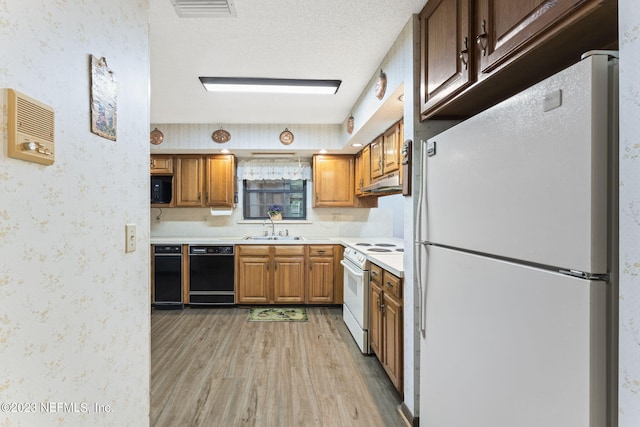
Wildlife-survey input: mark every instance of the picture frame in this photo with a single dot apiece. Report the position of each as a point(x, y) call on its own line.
point(104, 100)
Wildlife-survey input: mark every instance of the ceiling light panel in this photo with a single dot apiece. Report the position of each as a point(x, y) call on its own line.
point(260, 85)
point(204, 8)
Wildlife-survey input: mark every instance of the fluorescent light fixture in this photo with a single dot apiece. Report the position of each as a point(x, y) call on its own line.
point(356, 144)
point(260, 85)
point(272, 155)
point(323, 151)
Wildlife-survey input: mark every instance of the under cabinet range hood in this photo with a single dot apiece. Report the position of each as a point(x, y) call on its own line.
point(385, 184)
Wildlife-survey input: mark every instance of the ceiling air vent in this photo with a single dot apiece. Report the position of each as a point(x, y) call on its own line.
point(204, 8)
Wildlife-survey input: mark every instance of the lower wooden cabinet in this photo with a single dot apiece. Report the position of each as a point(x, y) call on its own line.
point(385, 323)
point(288, 274)
point(320, 274)
point(270, 274)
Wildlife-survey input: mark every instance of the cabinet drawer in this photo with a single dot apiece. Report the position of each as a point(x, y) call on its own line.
point(252, 250)
point(392, 284)
point(324, 250)
point(289, 250)
point(376, 274)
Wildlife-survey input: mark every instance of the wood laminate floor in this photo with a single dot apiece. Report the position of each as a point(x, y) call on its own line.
point(211, 367)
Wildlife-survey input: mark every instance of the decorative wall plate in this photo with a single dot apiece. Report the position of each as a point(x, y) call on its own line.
point(350, 123)
point(381, 85)
point(156, 137)
point(221, 136)
point(286, 137)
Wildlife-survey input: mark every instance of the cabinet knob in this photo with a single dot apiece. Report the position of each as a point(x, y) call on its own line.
point(389, 285)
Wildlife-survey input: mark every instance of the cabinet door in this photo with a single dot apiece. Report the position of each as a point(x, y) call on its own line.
point(253, 279)
point(161, 164)
point(220, 177)
point(447, 49)
point(392, 336)
point(359, 181)
point(333, 179)
point(189, 173)
point(377, 154)
point(288, 279)
point(366, 166)
point(505, 27)
point(375, 319)
point(391, 148)
point(320, 280)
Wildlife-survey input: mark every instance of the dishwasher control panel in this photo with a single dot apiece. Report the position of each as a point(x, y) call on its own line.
point(211, 250)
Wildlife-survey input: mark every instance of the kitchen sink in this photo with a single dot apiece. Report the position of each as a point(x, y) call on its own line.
point(273, 238)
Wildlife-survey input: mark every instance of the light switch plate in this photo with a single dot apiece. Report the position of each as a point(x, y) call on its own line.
point(131, 236)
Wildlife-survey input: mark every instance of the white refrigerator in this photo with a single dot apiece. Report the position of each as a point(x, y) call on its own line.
point(516, 258)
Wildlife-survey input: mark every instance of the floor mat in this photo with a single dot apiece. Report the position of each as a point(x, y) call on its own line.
point(278, 314)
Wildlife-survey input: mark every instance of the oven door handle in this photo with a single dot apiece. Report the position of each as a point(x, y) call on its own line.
point(351, 270)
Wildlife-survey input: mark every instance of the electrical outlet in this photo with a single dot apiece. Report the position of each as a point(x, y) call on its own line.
point(131, 236)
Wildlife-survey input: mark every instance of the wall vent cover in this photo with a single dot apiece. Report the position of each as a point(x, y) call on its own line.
point(30, 125)
point(204, 8)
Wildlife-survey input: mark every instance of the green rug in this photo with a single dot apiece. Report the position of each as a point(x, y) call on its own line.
point(278, 314)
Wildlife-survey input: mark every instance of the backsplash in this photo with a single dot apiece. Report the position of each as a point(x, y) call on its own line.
point(321, 222)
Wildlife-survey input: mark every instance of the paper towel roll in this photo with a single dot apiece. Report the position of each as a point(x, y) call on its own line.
point(221, 212)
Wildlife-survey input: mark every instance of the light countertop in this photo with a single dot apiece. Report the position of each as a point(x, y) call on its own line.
point(392, 262)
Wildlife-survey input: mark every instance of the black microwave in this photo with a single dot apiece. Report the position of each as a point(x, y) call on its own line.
point(161, 189)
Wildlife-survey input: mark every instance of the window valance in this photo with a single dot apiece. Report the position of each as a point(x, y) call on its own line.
point(260, 169)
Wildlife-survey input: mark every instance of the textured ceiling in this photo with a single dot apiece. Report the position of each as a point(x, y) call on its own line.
point(311, 39)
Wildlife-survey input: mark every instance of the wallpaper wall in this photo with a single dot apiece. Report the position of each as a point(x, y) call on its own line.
point(74, 307)
point(629, 370)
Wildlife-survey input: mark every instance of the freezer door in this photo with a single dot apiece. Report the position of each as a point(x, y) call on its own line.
point(527, 179)
point(508, 345)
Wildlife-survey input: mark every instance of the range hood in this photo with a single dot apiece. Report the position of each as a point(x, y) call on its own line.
point(385, 184)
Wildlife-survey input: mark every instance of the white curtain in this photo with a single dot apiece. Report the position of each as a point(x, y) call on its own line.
point(260, 169)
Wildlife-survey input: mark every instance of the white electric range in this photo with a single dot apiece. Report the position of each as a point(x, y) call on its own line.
point(356, 262)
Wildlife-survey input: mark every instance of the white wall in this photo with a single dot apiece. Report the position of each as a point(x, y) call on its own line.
point(74, 308)
point(629, 323)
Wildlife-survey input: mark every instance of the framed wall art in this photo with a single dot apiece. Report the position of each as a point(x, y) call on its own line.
point(104, 111)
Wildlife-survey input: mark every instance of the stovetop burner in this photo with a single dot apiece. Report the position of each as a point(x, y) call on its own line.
point(399, 249)
point(386, 245)
point(363, 244)
point(379, 250)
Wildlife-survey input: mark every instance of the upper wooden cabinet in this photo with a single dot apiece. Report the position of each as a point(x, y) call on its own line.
point(385, 151)
point(333, 179)
point(189, 175)
point(161, 165)
point(377, 157)
point(205, 181)
point(219, 183)
point(446, 51)
point(363, 169)
point(475, 53)
point(391, 145)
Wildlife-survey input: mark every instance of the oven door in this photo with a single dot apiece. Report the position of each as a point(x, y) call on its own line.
point(356, 303)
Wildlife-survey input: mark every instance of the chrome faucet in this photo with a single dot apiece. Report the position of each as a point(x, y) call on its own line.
point(273, 226)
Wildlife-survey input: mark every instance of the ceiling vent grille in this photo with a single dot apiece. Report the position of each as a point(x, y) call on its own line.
point(204, 8)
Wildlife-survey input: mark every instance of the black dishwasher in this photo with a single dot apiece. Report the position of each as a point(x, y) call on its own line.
point(211, 275)
point(167, 277)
